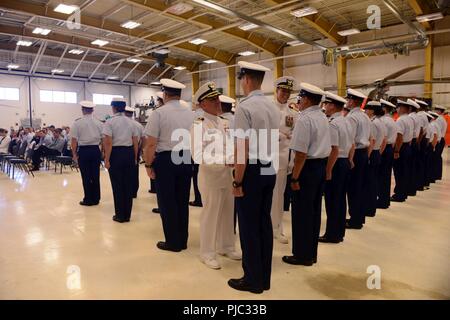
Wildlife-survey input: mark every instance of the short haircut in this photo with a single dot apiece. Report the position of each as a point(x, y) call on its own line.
point(257, 77)
point(315, 99)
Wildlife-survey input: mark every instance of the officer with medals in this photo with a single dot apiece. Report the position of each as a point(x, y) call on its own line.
point(312, 145)
point(284, 86)
point(120, 141)
point(338, 170)
point(86, 136)
point(168, 160)
point(209, 139)
point(254, 178)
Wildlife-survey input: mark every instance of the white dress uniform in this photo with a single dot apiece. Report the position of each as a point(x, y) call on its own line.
point(288, 117)
point(378, 132)
point(129, 112)
point(391, 129)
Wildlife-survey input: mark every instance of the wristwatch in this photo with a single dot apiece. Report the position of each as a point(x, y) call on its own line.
point(149, 165)
point(237, 184)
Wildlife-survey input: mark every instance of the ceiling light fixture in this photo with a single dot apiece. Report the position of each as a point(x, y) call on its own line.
point(130, 24)
point(248, 26)
point(99, 42)
point(348, 32)
point(13, 66)
point(295, 43)
point(303, 12)
point(180, 8)
point(162, 51)
point(24, 43)
point(430, 17)
point(180, 68)
point(246, 53)
point(113, 77)
point(210, 61)
point(198, 41)
point(64, 8)
point(41, 31)
point(76, 51)
point(134, 60)
point(57, 71)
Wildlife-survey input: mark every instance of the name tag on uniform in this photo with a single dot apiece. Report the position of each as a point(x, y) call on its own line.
point(289, 121)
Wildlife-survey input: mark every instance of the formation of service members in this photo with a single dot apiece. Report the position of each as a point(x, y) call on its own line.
point(331, 147)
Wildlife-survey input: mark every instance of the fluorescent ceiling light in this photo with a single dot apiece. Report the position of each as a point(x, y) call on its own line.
point(13, 66)
point(246, 53)
point(57, 71)
point(345, 48)
point(41, 31)
point(198, 41)
point(99, 42)
point(210, 61)
point(76, 51)
point(134, 60)
point(180, 8)
point(180, 68)
point(248, 26)
point(430, 17)
point(302, 12)
point(64, 8)
point(113, 77)
point(155, 83)
point(130, 24)
point(162, 51)
point(295, 43)
point(24, 43)
point(348, 32)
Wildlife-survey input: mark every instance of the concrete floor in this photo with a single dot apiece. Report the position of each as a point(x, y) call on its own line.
point(47, 240)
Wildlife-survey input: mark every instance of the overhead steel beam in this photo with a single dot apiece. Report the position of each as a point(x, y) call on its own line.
point(391, 6)
point(129, 72)
point(162, 73)
point(176, 74)
point(62, 56)
point(146, 73)
point(44, 46)
point(115, 69)
point(37, 57)
point(79, 63)
point(98, 66)
point(421, 7)
point(112, 26)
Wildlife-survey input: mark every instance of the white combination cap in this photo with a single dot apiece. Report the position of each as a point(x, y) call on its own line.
point(208, 90)
point(306, 88)
point(251, 68)
point(87, 104)
point(285, 82)
point(129, 109)
point(352, 93)
point(331, 97)
point(226, 99)
point(387, 103)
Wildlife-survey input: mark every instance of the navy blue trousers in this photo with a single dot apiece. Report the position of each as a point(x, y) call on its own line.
point(355, 188)
point(198, 196)
point(121, 175)
point(255, 224)
point(307, 208)
point(384, 177)
point(89, 158)
point(438, 165)
point(173, 185)
point(413, 168)
point(371, 184)
point(401, 173)
point(335, 200)
point(422, 158)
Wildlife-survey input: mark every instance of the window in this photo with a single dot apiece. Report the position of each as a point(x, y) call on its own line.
point(9, 94)
point(58, 96)
point(104, 99)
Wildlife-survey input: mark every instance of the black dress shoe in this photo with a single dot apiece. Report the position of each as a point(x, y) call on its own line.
point(420, 189)
point(195, 204)
point(156, 210)
point(82, 203)
point(370, 215)
point(242, 285)
point(325, 239)
point(382, 207)
point(163, 246)
point(116, 219)
point(298, 262)
point(151, 191)
point(349, 225)
point(395, 199)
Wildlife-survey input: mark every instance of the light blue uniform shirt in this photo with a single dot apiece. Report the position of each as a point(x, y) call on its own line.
point(405, 126)
point(359, 127)
point(417, 124)
point(391, 128)
point(378, 132)
point(121, 129)
point(87, 131)
point(312, 134)
point(339, 134)
point(166, 120)
point(257, 112)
